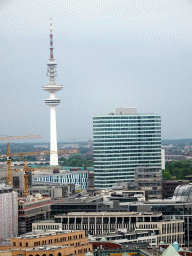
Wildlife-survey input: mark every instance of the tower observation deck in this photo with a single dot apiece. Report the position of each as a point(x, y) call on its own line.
point(52, 88)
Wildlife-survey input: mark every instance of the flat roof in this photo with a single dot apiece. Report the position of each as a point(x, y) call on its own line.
point(116, 234)
point(125, 115)
point(46, 248)
point(133, 214)
point(46, 221)
point(60, 174)
point(42, 233)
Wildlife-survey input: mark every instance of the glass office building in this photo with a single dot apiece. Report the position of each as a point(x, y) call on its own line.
point(124, 140)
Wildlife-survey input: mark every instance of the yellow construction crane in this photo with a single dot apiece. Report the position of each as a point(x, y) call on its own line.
point(25, 137)
point(9, 168)
point(20, 154)
point(26, 182)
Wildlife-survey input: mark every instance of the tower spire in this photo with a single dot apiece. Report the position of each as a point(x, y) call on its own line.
point(52, 87)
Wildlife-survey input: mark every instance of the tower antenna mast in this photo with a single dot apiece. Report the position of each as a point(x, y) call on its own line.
point(51, 39)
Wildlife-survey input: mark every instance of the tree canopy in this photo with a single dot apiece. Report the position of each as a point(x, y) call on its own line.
point(77, 161)
point(180, 169)
point(166, 174)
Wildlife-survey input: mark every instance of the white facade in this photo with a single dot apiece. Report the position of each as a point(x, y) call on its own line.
point(162, 158)
point(8, 212)
point(75, 177)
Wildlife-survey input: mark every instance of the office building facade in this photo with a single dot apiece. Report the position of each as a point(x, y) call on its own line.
point(103, 223)
point(123, 141)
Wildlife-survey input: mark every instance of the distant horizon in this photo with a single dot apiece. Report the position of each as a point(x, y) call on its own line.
point(68, 142)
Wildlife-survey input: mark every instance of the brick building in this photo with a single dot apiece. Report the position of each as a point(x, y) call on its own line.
point(49, 244)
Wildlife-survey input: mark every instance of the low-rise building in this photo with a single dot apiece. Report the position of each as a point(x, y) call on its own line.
point(124, 237)
point(66, 177)
point(73, 205)
point(179, 207)
point(103, 223)
point(48, 244)
point(149, 178)
point(48, 190)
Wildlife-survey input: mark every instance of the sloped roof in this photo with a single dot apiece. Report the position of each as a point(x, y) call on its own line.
point(170, 251)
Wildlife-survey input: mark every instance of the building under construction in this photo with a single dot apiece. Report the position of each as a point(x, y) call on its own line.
point(8, 212)
point(31, 209)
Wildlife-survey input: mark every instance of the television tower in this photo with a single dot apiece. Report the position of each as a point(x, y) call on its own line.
point(52, 87)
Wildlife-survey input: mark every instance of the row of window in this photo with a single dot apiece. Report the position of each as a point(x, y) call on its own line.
point(120, 137)
point(125, 158)
point(126, 120)
point(129, 164)
point(126, 126)
point(48, 227)
point(131, 116)
point(125, 150)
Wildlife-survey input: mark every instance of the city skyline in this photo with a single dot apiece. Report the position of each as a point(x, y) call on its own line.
point(109, 56)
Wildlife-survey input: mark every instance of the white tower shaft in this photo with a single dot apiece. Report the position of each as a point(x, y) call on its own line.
point(53, 137)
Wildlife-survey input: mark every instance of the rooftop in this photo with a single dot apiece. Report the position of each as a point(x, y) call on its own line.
point(45, 248)
point(30, 200)
point(42, 233)
point(135, 214)
point(119, 234)
point(41, 174)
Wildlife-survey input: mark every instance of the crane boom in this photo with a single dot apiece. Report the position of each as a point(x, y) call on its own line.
point(9, 168)
point(9, 155)
point(25, 137)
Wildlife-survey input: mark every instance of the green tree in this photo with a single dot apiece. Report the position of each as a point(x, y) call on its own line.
point(77, 161)
point(166, 174)
point(180, 168)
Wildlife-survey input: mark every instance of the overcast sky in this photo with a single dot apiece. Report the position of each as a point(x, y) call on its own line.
point(118, 53)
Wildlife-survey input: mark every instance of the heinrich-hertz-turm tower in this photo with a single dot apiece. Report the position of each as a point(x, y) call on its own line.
point(52, 87)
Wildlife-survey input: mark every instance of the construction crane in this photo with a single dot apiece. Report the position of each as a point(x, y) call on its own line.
point(26, 170)
point(9, 168)
point(9, 155)
point(26, 182)
point(25, 137)
point(20, 154)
